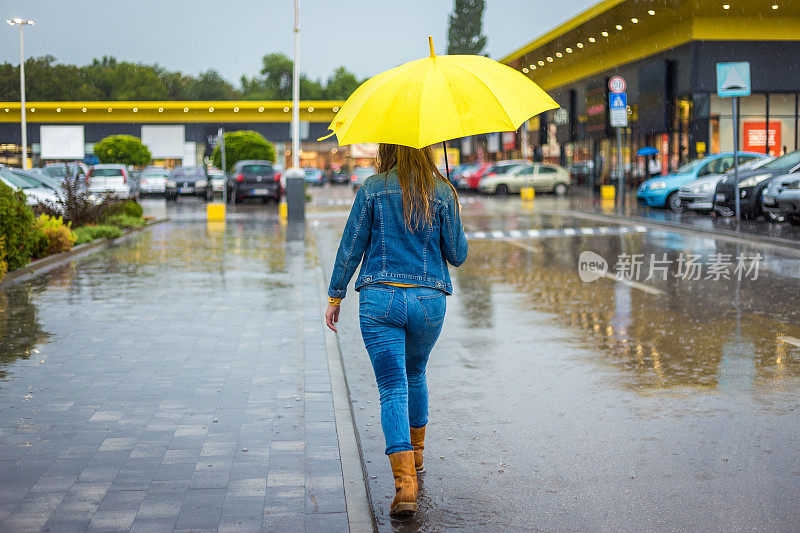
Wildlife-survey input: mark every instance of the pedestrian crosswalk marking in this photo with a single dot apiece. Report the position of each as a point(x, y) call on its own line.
point(554, 232)
point(339, 201)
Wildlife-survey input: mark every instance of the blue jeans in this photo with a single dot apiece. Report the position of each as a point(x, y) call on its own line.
point(400, 325)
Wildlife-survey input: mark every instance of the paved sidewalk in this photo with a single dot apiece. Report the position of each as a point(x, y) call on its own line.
point(177, 381)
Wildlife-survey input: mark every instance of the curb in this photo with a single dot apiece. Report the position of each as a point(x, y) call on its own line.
point(359, 508)
point(45, 264)
point(778, 243)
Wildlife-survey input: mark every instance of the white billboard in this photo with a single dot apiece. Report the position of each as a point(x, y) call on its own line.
point(164, 141)
point(61, 142)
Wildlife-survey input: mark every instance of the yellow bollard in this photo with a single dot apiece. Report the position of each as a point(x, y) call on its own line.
point(608, 192)
point(215, 211)
point(283, 211)
point(608, 205)
point(527, 193)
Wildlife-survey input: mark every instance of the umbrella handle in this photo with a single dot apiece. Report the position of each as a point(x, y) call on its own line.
point(446, 165)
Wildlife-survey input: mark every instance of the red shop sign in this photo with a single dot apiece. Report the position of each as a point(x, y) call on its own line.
point(755, 137)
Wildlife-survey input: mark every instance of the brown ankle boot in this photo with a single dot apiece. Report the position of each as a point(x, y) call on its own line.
point(418, 442)
point(405, 483)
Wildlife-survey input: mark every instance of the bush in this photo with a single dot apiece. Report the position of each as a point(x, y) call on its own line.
point(241, 145)
point(127, 207)
point(89, 233)
point(3, 264)
point(60, 237)
point(123, 149)
point(125, 221)
point(21, 238)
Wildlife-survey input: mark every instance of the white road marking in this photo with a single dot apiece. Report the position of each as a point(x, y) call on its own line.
point(790, 340)
point(498, 234)
point(587, 231)
point(533, 233)
point(569, 231)
point(515, 233)
point(479, 235)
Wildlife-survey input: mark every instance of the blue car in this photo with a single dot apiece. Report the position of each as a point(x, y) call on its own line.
point(314, 176)
point(662, 191)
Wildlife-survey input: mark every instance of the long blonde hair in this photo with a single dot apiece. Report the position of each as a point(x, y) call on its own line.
point(417, 173)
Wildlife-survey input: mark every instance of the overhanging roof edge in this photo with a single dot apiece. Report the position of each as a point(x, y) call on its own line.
point(561, 29)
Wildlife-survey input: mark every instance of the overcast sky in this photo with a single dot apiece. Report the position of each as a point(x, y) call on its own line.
point(367, 36)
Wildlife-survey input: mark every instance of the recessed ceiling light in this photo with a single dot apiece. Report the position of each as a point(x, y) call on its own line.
point(726, 6)
point(579, 45)
point(525, 70)
point(285, 109)
point(549, 59)
point(533, 67)
point(635, 20)
point(591, 39)
point(335, 109)
point(559, 54)
point(236, 109)
point(651, 12)
point(160, 109)
point(541, 63)
point(110, 110)
point(604, 34)
point(210, 109)
point(83, 109)
point(260, 109)
point(185, 109)
point(135, 109)
point(58, 110)
point(569, 50)
point(33, 109)
point(774, 6)
point(619, 27)
point(311, 109)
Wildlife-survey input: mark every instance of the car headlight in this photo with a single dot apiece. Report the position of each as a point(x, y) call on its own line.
point(752, 180)
point(170, 183)
point(201, 183)
point(702, 188)
point(658, 185)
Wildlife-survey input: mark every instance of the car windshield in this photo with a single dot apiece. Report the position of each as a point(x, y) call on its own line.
point(188, 172)
point(22, 182)
point(257, 169)
point(154, 172)
point(107, 172)
point(785, 163)
point(38, 177)
point(689, 167)
point(57, 171)
point(312, 172)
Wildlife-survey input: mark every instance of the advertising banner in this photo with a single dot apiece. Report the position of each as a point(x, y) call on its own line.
point(164, 141)
point(62, 142)
point(493, 143)
point(755, 137)
point(509, 140)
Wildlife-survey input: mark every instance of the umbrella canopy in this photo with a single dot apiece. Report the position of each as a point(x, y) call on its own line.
point(647, 150)
point(438, 98)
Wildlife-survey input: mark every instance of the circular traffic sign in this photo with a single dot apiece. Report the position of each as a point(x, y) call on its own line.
point(616, 84)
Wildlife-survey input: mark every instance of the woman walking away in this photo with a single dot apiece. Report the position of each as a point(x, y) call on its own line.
point(406, 223)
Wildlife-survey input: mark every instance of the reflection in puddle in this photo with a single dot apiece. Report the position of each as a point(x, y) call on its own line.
point(20, 330)
point(701, 334)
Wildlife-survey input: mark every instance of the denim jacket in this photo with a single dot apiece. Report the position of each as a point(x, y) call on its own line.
point(391, 252)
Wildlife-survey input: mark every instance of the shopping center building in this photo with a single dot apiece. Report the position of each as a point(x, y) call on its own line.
point(175, 132)
point(667, 51)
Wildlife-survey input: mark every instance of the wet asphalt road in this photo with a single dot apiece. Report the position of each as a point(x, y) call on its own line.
point(555, 404)
point(603, 406)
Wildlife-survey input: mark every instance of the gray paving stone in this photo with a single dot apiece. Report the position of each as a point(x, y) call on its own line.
point(153, 420)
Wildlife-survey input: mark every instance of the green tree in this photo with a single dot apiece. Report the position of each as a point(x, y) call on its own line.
point(210, 85)
point(123, 149)
point(341, 84)
point(241, 145)
point(464, 35)
point(276, 76)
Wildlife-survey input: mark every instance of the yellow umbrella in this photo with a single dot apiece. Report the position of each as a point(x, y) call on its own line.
point(438, 98)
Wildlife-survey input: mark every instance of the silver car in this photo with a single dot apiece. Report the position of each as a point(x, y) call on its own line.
point(698, 195)
point(781, 199)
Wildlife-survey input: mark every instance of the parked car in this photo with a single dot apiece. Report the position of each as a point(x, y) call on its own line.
point(314, 176)
point(60, 171)
point(187, 181)
point(113, 179)
point(360, 175)
point(786, 196)
point(34, 190)
point(698, 195)
point(467, 175)
point(775, 189)
point(254, 179)
point(339, 176)
point(543, 177)
point(458, 172)
point(662, 191)
point(217, 178)
point(501, 167)
point(153, 180)
point(752, 184)
point(41, 177)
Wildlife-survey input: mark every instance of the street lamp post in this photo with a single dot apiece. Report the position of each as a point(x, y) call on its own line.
point(22, 23)
point(295, 189)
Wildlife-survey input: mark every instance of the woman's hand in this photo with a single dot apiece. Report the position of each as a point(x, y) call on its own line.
point(332, 316)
